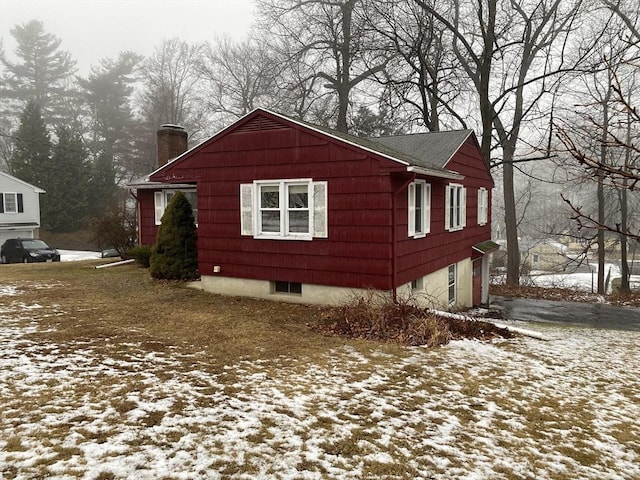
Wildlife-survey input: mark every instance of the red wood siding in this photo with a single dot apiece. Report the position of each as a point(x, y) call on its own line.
point(147, 228)
point(361, 205)
point(440, 248)
point(357, 252)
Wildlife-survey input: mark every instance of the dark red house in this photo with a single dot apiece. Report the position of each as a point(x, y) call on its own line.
point(291, 211)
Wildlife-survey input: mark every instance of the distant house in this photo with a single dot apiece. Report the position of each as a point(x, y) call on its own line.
point(545, 254)
point(290, 211)
point(19, 208)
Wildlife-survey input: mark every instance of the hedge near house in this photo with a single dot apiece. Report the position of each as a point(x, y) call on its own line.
point(175, 256)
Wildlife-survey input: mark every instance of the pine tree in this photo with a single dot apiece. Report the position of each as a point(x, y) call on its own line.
point(64, 207)
point(175, 254)
point(30, 160)
point(42, 72)
point(110, 134)
point(102, 194)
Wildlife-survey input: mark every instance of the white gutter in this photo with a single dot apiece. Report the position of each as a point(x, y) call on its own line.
point(435, 173)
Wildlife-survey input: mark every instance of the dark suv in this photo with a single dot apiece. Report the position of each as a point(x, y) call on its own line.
point(27, 250)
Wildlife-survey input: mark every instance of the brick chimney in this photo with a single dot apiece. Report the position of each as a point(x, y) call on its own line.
point(172, 141)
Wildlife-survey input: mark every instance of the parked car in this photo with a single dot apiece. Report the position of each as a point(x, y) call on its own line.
point(27, 250)
point(109, 253)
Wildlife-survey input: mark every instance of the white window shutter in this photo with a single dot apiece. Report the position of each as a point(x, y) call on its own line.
point(320, 228)
point(246, 209)
point(482, 209)
point(447, 207)
point(463, 206)
point(412, 209)
point(427, 208)
point(158, 200)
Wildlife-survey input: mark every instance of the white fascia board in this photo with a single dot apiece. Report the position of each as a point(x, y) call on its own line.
point(457, 149)
point(435, 173)
point(35, 189)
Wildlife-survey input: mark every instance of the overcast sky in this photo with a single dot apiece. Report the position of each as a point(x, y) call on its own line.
point(94, 29)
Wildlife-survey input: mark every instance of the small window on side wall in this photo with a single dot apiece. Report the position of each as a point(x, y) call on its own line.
point(11, 203)
point(455, 207)
point(162, 198)
point(419, 202)
point(452, 284)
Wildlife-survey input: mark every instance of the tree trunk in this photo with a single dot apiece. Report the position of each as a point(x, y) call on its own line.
point(601, 200)
point(344, 76)
point(511, 223)
point(624, 263)
point(600, 235)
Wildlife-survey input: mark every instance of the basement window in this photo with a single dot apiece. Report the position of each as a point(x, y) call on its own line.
point(294, 288)
point(452, 284)
point(416, 285)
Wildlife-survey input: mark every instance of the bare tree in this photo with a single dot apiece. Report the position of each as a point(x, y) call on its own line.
point(513, 52)
point(605, 145)
point(171, 91)
point(240, 76)
point(423, 76)
point(334, 37)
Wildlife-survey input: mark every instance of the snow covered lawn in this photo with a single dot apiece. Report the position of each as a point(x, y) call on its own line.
point(519, 409)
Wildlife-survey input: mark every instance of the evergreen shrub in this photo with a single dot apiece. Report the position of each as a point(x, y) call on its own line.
point(141, 254)
point(174, 255)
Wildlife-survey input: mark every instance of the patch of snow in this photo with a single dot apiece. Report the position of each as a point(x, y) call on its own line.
point(75, 255)
point(567, 408)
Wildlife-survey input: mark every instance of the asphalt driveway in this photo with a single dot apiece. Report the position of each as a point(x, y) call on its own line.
point(594, 315)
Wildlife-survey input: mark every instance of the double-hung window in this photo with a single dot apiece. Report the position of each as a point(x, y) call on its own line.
point(455, 207)
point(483, 206)
point(419, 208)
point(162, 199)
point(11, 203)
point(284, 209)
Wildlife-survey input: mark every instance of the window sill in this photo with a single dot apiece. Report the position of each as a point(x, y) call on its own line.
point(305, 238)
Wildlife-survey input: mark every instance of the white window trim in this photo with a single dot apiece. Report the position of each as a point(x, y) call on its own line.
point(15, 202)
point(459, 207)
point(160, 202)
point(317, 208)
point(426, 209)
point(284, 232)
point(483, 206)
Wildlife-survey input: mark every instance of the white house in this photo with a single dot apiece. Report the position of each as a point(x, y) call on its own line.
point(19, 208)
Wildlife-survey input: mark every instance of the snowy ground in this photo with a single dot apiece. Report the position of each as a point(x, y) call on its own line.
point(73, 255)
point(568, 408)
point(585, 281)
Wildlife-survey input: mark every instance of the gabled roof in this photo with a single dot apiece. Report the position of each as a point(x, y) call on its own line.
point(428, 150)
point(429, 162)
point(424, 153)
point(15, 179)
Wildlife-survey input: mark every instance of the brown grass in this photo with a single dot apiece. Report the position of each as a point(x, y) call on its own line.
point(123, 305)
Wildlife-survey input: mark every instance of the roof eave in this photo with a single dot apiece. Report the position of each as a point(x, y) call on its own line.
point(158, 185)
point(448, 174)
